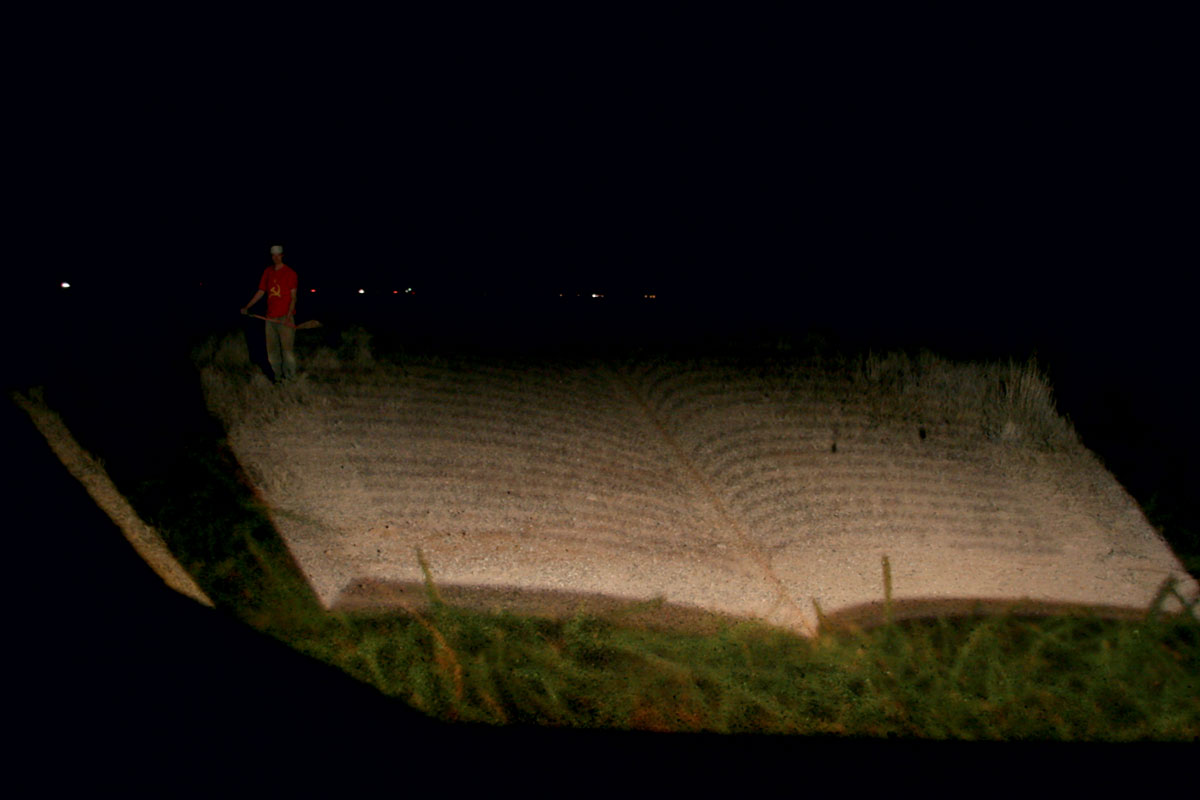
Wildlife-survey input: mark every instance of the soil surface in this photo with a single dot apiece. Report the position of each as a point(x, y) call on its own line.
point(701, 492)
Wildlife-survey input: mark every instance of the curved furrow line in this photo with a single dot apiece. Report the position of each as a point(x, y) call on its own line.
point(782, 525)
point(706, 427)
point(610, 480)
point(999, 493)
point(513, 380)
point(720, 396)
point(743, 429)
point(512, 430)
point(696, 478)
point(563, 455)
point(771, 498)
point(528, 463)
point(656, 381)
point(476, 521)
point(334, 395)
point(750, 495)
point(761, 495)
point(814, 492)
point(630, 510)
point(477, 405)
point(720, 399)
point(724, 453)
point(563, 405)
point(569, 539)
point(689, 422)
point(672, 417)
point(772, 462)
point(627, 514)
point(868, 461)
point(848, 456)
point(577, 444)
point(727, 452)
point(730, 466)
point(562, 410)
point(459, 387)
point(673, 392)
point(626, 523)
point(744, 479)
point(631, 498)
point(866, 498)
point(465, 439)
point(546, 523)
point(691, 398)
point(896, 504)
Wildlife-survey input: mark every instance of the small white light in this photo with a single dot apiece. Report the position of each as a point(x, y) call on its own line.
point(65, 285)
point(362, 291)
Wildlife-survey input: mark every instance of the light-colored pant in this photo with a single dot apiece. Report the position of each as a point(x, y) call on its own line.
point(280, 339)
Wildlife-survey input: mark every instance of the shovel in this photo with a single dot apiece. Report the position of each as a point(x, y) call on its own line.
point(303, 326)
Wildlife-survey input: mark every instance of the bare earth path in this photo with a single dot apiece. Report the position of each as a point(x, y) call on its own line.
point(721, 491)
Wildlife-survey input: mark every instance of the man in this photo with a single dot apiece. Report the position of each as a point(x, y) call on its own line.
point(280, 284)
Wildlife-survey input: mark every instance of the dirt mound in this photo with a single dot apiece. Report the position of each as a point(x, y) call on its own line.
point(712, 487)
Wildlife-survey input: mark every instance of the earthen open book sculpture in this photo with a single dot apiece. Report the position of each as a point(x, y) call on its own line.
point(715, 489)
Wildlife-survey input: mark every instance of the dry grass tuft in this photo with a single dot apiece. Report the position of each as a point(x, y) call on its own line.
point(236, 389)
point(356, 342)
point(1024, 409)
point(1008, 402)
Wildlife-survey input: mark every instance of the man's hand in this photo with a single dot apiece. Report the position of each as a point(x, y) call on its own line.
point(245, 311)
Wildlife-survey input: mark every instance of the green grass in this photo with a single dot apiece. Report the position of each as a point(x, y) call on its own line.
point(1066, 678)
point(999, 678)
point(989, 678)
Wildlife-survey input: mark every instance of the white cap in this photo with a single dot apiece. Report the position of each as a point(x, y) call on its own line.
point(276, 249)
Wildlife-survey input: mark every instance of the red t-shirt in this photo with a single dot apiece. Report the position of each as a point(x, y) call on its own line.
point(278, 285)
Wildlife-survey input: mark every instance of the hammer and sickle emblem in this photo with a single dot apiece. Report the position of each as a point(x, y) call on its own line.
point(276, 290)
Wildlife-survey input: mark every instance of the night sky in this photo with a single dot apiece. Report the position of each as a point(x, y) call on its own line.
point(960, 180)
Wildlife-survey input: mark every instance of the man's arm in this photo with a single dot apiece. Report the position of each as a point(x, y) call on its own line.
point(258, 296)
point(292, 306)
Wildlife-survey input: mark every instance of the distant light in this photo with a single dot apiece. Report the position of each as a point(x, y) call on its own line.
point(597, 295)
point(650, 296)
point(362, 291)
point(312, 291)
point(395, 291)
point(409, 290)
point(65, 285)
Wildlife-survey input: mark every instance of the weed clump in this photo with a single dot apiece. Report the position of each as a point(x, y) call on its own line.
point(1009, 402)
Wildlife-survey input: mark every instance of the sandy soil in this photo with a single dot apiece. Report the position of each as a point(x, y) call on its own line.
point(705, 492)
